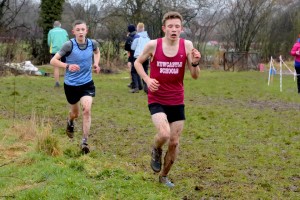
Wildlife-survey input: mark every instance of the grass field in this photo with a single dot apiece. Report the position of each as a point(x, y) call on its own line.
point(240, 141)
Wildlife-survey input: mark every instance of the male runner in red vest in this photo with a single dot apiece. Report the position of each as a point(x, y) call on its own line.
point(168, 57)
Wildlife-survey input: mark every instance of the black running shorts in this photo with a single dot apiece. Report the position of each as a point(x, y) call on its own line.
point(74, 93)
point(174, 113)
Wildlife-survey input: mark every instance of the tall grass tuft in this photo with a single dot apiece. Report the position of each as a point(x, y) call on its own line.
point(46, 142)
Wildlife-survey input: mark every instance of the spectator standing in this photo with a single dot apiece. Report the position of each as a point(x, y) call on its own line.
point(57, 36)
point(295, 51)
point(137, 46)
point(130, 37)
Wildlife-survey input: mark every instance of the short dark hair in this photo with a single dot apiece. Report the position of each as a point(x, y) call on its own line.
point(131, 28)
point(171, 15)
point(79, 21)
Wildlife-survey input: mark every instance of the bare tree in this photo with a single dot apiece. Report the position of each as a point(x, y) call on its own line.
point(9, 11)
point(204, 24)
point(278, 35)
point(16, 20)
point(244, 20)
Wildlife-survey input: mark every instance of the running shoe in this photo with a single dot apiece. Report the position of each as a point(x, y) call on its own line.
point(70, 129)
point(164, 180)
point(135, 90)
point(85, 148)
point(57, 85)
point(156, 159)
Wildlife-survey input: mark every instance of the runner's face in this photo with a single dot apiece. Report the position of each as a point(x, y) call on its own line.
point(172, 28)
point(80, 31)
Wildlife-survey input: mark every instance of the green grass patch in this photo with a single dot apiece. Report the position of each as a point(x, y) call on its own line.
point(240, 141)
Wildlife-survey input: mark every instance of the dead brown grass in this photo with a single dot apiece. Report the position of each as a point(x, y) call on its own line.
point(46, 142)
point(25, 135)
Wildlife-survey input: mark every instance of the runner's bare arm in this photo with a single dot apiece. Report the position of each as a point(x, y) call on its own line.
point(96, 61)
point(55, 61)
point(193, 58)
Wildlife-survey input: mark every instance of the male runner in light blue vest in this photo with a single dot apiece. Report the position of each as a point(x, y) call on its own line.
point(80, 53)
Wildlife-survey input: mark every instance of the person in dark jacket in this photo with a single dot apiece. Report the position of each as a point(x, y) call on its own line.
point(130, 37)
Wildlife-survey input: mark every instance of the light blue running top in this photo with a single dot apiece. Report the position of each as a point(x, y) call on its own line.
point(83, 58)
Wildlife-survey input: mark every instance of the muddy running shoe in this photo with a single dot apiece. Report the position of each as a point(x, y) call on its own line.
point(70, 129)
point(156, 159)
point(85, 148)
point(164, 180)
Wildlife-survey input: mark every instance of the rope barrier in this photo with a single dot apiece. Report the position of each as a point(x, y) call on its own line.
point(272, 71)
